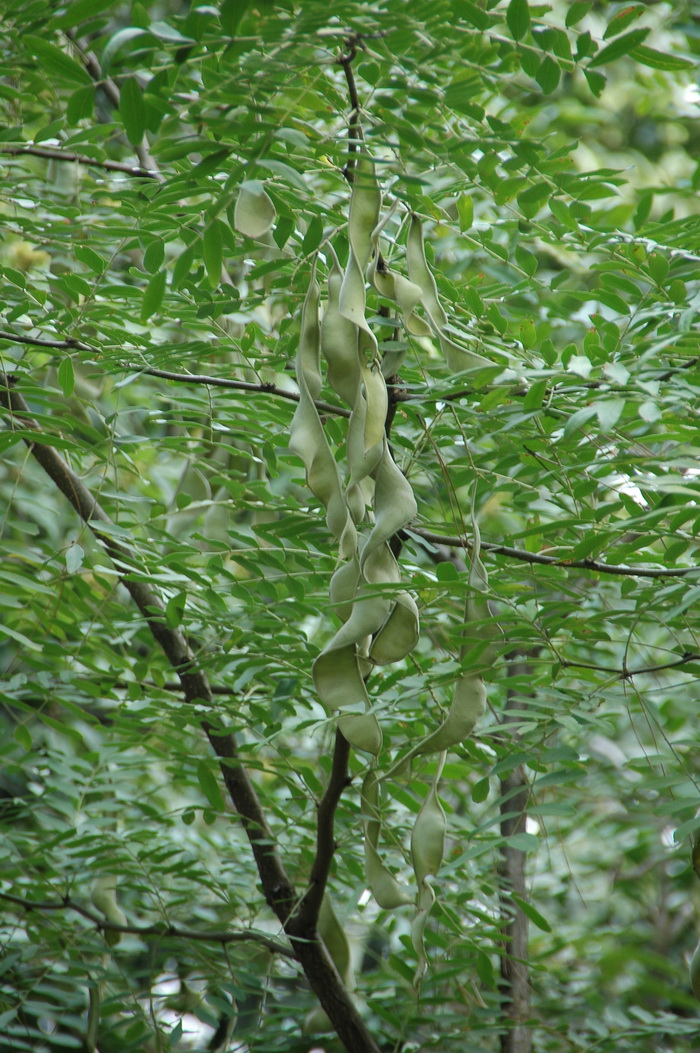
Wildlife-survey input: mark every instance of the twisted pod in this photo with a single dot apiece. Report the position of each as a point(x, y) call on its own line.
point(366, 506)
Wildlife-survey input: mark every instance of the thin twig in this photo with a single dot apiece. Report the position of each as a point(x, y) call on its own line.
point(71, 344)
point(555, 561)
point(627, 674)
point(52, 154)
point(159, 929)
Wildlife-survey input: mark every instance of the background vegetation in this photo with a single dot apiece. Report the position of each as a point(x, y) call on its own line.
point(149, 326)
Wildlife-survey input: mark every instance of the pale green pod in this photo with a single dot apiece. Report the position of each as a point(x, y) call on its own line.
point(427, 850)
point(386, 890)
point(254, 212)
point(366, 439)
point(104, 897)
point(486, 631)
point(695, 972)
point(365, 205)
point(458, 358)
point(308, 360)
point(307, 437)
point(363, 732)
point(399, 634)
point(343, 588)
point(428, 837)
point(339, 340)
point(468, 705)
point(426, 898)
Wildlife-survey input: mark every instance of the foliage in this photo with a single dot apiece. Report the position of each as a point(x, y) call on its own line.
point(173, 177)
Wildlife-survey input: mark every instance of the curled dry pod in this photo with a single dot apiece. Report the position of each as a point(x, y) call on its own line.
point(307, 437)
point(383, 885)
point(339, 340)
point(458, 358)
point(427, 850)
point(104, 897)
point(254, 212)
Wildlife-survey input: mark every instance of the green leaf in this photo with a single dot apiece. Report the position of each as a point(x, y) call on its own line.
point(313, 236)
point(231, 13)
point(81, 104)
point(548, 74)
point(74, 558)
point(90, 258)
point(619, 22)
point(23, 737)
point(530, 912)
point(480, 791)
point(576, 11)
point(79, 11)
point(153, 295)
point(56, 61)
point(472, 13)
point(518, 18)
point(175, 609)
point(213, 250)
point(596, 81)
point(619, 47)
point(117, 42)
point(523, 842)
point(66, 376)
point(660, 59)
point(210, 785)
point(132, 110)
point(154, 255)
point(465, 211)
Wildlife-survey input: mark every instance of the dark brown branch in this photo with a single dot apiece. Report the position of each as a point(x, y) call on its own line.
point(627, 674)
point(306, 915)
point(555, 561)
point(242, 385)
point(82, 159)
point(354, 126)
point(276, 884)
point(515, 974)
point(70, 344)
point(159, 929)
point(111, 90)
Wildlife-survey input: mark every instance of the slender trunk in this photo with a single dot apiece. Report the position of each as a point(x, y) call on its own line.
point(515, 973)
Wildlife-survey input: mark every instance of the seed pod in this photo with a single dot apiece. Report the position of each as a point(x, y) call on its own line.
point(383, 885)
point(427, 850)
point(458, 358)
point(254, 212)
point(104, 897)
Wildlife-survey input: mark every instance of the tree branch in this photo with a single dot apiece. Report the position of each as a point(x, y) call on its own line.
point(310, 904)
point(276, 884)
point(515, 973)
point(71, 344)
point(159, 929)
point(56, 154)
point(354, 126)
point(555, 561)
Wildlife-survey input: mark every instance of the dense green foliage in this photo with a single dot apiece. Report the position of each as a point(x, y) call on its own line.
point(548, 151)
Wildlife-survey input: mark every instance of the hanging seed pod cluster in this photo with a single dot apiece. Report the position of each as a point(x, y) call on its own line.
point(367, 500)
